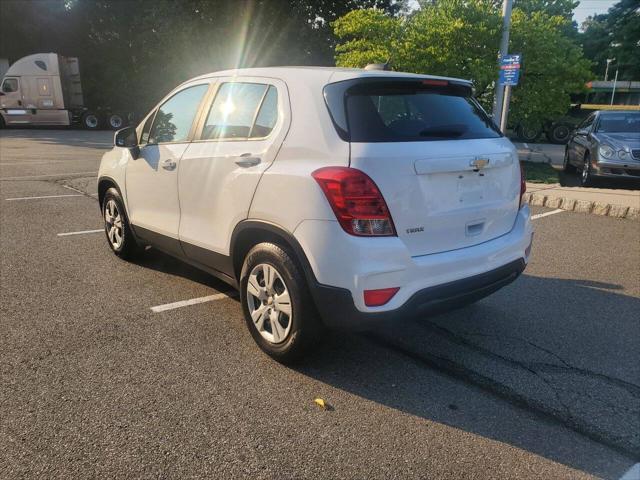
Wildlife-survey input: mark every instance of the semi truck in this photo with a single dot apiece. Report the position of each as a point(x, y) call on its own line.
point(44, 89)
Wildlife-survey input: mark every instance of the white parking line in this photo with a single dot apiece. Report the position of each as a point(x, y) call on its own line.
point(80, 191)
point(38, 198)
point(82, 232)
point(546, 214)
point(193, 301)
point(63, 174)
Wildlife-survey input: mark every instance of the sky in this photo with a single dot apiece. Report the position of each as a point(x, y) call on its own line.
point(590, 7)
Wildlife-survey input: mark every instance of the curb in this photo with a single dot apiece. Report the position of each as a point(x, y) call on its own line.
point(582, 206)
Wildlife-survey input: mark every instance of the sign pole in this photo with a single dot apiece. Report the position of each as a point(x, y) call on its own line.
point(504, 48)
point(505, 108)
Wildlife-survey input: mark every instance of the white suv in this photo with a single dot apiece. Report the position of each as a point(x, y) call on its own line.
point(328, 197)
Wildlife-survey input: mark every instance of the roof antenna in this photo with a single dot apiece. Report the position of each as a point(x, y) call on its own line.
point(379, 66)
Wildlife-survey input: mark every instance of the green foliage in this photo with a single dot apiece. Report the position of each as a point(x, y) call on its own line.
point(615, 34)
point(132, 52)
point(460, 38)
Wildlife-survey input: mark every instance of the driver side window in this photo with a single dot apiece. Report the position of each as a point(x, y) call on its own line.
point(586, 125)
point(173, 120)
point(10, 85)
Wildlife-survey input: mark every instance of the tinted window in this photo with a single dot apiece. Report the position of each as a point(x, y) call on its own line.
point(401, 114)
point(233, 110)
point(267, 115)
point(619, 123)
point(10, 85)
point(175, 117)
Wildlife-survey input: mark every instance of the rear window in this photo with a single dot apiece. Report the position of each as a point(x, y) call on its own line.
point(407, 111)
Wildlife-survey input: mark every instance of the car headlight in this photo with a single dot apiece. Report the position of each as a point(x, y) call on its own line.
point(623, 155)
point(606, 151)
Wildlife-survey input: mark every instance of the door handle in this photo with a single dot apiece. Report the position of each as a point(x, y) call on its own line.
point(247, 160)
point(168, 164)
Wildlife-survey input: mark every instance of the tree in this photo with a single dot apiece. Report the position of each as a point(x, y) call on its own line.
point(460, 38)
point(132, 52)
point(615, 34)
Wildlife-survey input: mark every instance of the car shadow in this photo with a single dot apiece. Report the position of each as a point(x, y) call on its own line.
point(573, 180)
point(525, 345)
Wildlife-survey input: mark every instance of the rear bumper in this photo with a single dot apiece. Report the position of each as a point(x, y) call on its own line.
point(338, 310)
point(343, 267)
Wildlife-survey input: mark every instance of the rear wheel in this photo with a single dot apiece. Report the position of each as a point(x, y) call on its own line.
point(277, 304)
point(566, 164)
point(90, 121)
point(528, 133)
point(559, 133)
point(115, 121)
point(116, 226)
point(586, 178)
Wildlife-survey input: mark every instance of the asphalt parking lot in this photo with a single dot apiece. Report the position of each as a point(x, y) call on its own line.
point(540, 380)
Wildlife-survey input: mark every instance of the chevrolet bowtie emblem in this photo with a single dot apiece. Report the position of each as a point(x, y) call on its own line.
point(479, 163)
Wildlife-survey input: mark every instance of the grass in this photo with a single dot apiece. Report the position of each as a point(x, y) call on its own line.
point(540, 173)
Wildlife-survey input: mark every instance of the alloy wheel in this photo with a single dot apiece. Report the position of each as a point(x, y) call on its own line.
point(269, 303)
point(113, 224)
point(586, 170)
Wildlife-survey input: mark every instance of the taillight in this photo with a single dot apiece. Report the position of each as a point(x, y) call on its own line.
point(376, 298)
point(356, 201)
point(523, 184)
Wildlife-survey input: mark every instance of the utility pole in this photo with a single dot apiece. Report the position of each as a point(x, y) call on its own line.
point(504, 49)
point(606, 71)
point(615, 81)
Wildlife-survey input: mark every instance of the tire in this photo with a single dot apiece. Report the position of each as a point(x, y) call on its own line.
point(2, 125)
point(567, 167)
point(115, 121)
point(586, 178)
point(90, 121)
point(298, 324)
point(528, 134)
point(116, 226)
point(559, 133)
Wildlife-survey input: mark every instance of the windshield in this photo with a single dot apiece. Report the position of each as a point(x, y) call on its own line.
point(620, 123)
point(400, 112)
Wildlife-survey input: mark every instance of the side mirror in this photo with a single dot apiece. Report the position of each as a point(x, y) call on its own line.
point(126, 137)
point(583, 132)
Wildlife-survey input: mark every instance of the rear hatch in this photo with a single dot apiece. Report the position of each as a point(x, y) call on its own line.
point(449, 178)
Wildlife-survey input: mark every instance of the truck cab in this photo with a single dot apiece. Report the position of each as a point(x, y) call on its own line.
point(41, 89)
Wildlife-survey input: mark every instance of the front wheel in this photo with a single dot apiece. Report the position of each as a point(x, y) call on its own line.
point(116, 226)
point(277, 305)
point(586, 177)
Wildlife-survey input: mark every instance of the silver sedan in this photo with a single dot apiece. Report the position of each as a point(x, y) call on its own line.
point(606, 144)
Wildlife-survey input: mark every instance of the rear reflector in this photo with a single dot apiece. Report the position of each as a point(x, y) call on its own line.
point(375, 298)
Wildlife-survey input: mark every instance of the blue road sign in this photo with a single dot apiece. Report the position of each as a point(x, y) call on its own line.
point(510, 69)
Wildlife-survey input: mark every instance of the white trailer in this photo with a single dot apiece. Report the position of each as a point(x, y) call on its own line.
point(45, 89)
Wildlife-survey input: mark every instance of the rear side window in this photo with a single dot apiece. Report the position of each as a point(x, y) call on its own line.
point(174, 118)
point(267, 116)
point(241, 110)
point(407, 111)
